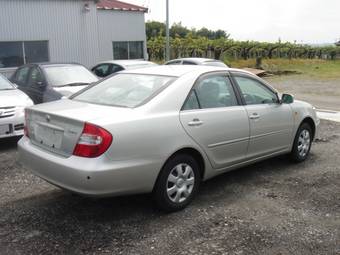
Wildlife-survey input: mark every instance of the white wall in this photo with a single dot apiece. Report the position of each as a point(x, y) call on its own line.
point(70, 30)
point(119, 26)
point(74, 35)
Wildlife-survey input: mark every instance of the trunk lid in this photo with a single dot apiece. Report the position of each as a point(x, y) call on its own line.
point(57, 126)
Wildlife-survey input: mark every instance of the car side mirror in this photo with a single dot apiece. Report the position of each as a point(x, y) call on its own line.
point(287, 99)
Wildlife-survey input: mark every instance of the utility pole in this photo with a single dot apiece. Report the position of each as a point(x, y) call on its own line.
point(167, 47)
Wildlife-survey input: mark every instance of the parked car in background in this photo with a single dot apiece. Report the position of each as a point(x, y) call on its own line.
point(163, 130)
point(12, 105)
point(106, 68)
point(47, 82)
point(196, 61)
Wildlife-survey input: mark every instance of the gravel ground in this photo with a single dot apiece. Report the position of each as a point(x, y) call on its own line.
point(273, 207)
point(323, 94)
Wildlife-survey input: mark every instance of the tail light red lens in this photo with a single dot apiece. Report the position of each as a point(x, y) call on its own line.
point(93, 142)
point(25, 125)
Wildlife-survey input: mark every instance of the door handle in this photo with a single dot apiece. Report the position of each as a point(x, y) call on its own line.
point(195, 123)
point(254, 116)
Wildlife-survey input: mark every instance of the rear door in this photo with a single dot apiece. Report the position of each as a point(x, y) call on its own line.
point(271, 123)
point(36, 85)
point(213, 117)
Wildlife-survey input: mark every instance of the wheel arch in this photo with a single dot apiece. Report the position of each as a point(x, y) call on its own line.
point(188, 151)
point(311, 123)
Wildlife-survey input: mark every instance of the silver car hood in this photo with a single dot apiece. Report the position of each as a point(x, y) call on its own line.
point(13, 97)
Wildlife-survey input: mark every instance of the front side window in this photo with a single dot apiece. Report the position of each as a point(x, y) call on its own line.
point(21, 76)
point(174, 62)
point(128, 50)
point(13, 54)
point(185, 62)
point(254, 92)
point(69, 75)
point(125, 90)
point(102, 70)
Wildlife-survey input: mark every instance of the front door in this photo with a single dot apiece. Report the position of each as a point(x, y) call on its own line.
point(271, 123)
point(215, 120)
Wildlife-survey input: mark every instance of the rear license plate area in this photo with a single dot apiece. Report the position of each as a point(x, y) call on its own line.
point(48, 136)
point(5, 129)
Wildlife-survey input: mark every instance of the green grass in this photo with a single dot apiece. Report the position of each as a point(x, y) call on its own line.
point(316, 68)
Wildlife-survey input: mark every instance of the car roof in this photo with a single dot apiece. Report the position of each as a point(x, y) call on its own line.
point(197, 60)
point(127, 62)
point(180, 70)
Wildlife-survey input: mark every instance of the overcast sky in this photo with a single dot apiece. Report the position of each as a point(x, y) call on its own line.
point(307, 21)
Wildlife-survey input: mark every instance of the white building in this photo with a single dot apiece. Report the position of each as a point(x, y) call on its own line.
point(83, 31)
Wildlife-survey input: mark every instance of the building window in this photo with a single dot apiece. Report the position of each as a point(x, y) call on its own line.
point(128, 50)
point(14, 54)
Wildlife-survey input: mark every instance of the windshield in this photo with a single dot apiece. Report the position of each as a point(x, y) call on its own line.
point(73, 74)
point(125, 90)
point(5, 84)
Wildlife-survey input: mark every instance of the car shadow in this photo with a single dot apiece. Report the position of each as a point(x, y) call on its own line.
point(79, 224)
point(8, 143)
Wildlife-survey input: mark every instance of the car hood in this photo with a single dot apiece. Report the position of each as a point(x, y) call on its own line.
point(14, 97)
point(69, 90)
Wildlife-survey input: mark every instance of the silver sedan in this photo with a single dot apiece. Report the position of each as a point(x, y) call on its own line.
point(163, 130)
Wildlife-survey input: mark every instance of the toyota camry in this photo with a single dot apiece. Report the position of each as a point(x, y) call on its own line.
point(163, 130)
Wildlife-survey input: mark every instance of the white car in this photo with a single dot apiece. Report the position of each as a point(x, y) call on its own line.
point(106, 68)
point(12, 105)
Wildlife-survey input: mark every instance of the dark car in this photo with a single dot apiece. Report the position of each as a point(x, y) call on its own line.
point(106, 68)
point(45, 82)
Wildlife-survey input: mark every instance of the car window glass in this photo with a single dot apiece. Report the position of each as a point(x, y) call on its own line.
point(35, 77)
point(191, 103)
point(176, 62)
point(21, 76)
point(102, 70)
point(125, 90)
point(255, 92)
point(214, 92)
point(185, 62)
point(116, 68)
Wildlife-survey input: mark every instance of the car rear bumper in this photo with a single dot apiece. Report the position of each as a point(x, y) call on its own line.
point(92, 177)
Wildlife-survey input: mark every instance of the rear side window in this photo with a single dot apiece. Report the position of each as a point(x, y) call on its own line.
point(185, 62)
point(125, 90)
point(21, 76)
point(211, 92)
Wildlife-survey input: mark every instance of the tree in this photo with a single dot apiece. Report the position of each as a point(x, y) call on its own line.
point(154, 28)
point(178, 30)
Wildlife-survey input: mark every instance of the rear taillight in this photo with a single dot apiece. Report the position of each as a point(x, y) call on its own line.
point(93, 142)
point(26, 124)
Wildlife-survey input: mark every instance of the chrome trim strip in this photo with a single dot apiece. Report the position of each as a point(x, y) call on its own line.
point(270, 133)
point(228, 142)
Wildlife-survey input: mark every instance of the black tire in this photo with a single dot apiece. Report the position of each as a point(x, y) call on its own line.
point(160, 194)
point(295, 154)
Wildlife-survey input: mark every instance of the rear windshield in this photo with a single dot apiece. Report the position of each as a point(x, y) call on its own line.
point(65, 75)
point(5, 84)
point(125, 90)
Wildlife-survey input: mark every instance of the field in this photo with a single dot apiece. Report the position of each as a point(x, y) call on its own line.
point(312, 68)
